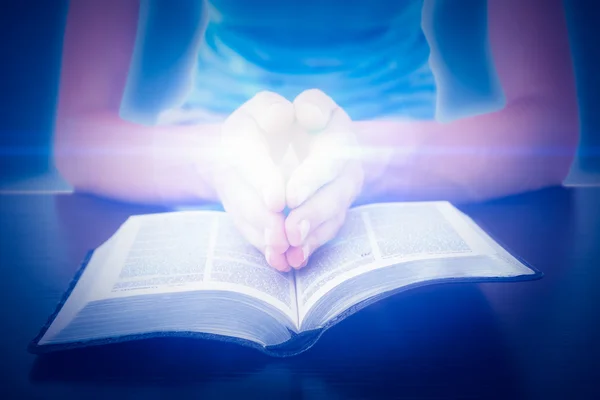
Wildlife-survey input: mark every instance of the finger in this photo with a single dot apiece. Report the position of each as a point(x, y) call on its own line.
point(244, 150)
point(278, 261)
point(254, 237)
point(272, 112)
point(323, 206)
point(314, 109)
point(274, 115)
point(262, 129)
point(326, 159)
point(243, 203)
point(297, 257)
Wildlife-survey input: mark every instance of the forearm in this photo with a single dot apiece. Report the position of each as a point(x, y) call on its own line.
point(528, 145)
point(104, 155)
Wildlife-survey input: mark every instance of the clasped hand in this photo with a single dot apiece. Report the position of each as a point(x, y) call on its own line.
point(255, 187)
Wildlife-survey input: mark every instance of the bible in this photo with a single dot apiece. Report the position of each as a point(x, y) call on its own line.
point(190, 273)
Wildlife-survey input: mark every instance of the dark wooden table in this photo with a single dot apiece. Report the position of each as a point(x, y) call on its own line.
point(498, 340)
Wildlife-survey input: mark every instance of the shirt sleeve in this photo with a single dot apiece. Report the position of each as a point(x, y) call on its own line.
point(466, 77)
point(162, 65)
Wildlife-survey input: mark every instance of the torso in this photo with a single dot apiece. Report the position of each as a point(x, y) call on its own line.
point(371, 56)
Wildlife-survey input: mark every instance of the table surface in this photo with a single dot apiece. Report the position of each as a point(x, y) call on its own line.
point(534, 339)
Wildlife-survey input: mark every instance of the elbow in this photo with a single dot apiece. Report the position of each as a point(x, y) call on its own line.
point(67, 155)
point(547, 128)
point(63, 161)
point(559, 129)
point(537, 146)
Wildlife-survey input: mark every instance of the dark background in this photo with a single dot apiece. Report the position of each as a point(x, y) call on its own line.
point(30, 48)
point(538, 338)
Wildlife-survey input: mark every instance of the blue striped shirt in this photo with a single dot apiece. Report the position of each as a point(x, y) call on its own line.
point(195, 58)
point(370, 68)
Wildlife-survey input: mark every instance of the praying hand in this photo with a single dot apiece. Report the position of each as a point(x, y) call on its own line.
point(318, 190)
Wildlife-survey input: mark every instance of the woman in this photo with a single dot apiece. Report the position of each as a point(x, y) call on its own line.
point(410, 100)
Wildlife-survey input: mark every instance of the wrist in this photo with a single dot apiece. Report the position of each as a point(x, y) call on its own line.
point(387, 146)
point(184, 161)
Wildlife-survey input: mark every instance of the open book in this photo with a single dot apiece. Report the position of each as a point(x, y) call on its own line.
point(191, 274)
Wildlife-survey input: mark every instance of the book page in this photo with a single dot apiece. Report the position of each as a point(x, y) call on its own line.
point(183, 251)
point(350, 250)
point(168, 249)
point(169, 256)
point(235, 262)
point(414, 229)
point(380, 235)
point(411, 243)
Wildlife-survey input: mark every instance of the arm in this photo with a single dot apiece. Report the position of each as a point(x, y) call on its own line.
point(100, 153)
point(525, 146)
point(96, 150)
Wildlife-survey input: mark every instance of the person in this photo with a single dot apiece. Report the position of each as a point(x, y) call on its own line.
point(190, 102)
